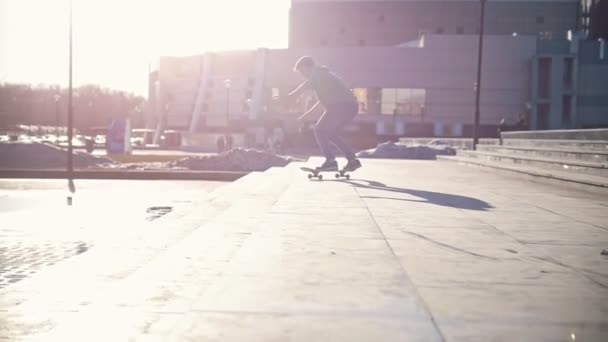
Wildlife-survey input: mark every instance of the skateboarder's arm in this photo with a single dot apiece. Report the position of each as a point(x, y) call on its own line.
point(311, 110)
point(299, 90)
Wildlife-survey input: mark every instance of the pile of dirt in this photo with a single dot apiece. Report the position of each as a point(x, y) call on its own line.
point(33, 155)
point(391, 150)
point(234, 160)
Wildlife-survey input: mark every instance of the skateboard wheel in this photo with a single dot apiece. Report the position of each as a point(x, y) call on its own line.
point(337, 175)
point(309, 176)
point(347, 176)
point(320, 177)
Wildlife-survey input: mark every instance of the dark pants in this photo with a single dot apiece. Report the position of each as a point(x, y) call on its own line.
point(329, 127)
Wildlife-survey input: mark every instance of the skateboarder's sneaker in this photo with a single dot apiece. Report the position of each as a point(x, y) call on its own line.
point(352, 165)
point(329, 165)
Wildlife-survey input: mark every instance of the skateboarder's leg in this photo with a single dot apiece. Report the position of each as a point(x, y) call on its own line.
point(343, 146)
point(324, 129)
point(328, 128)
point(334, 120)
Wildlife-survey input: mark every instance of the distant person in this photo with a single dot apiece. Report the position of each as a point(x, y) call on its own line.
point(340, 108)
point(502, 127)
point(229, 142)
point(520, 125)
point(220, 144)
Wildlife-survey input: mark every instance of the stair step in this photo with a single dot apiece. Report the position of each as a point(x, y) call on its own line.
point(598, 156)
point(600, 169)
point(564, 134)
point(555, 143)
point(580, 181)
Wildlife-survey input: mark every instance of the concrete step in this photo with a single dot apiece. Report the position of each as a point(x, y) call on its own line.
point(563, 134)
point(592, 145)
point(589, 168)
point(255, 188)
point(462, 143)
point(584, 182)
point(597, 156)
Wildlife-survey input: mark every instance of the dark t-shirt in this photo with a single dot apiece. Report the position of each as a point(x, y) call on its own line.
point(329, 88)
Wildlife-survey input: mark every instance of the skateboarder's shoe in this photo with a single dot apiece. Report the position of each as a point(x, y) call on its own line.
point(352, 165)
point(329, 165)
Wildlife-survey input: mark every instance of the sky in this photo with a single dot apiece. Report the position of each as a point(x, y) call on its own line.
point(115, 41)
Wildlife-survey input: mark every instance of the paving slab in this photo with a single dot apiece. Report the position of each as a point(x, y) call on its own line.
point(403, 251)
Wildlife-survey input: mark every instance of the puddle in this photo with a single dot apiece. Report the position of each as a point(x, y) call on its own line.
point(157, 212)
point(21, 259)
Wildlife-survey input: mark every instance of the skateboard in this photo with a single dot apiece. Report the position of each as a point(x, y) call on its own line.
point(314, 173)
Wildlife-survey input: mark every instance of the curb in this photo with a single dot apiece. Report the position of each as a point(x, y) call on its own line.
point(223, 176)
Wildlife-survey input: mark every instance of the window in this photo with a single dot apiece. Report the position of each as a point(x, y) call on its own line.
point(276, 93)
point(545, 35)
point(540, 19)
point(362, 99)
point(543, 116)
point(368, 99)
point(403, 101)
point(566, 110)
point(544, 77)
point(390, 128)
point(568, 71)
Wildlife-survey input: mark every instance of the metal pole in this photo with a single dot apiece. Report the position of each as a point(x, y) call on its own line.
point(70, 109)
point(478, 84)
point(227, 114)
point(70, 162)
point(56, 119)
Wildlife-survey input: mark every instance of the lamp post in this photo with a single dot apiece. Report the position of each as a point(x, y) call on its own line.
point(227, 84)
point(56, 98)
point(70, 161)
point(478, 83)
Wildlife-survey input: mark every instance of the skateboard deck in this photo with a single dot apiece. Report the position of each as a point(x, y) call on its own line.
point(314, 173)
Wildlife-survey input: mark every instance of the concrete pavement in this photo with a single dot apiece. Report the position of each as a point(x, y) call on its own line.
point(404, 251)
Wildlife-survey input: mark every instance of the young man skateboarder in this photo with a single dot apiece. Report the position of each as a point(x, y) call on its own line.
point(340, 108)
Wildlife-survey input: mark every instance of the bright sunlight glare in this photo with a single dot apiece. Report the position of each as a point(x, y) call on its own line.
point(115, 41)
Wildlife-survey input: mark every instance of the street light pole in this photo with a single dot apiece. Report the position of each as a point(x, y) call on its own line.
point(70, 161)
point(227, 84)
point(57, 97)
point(478, 84)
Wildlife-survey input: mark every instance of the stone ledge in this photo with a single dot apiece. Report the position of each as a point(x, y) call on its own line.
point(226, 176)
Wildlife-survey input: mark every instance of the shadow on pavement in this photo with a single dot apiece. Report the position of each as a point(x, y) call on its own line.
point(437, 198)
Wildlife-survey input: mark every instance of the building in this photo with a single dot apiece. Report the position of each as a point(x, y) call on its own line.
point(593, 18)
point(340, 23)
point(424, 87)
point(569, 85)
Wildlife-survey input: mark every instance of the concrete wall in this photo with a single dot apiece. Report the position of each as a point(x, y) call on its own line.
point(588, 91)
point(592, 99)
point(381, 23)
